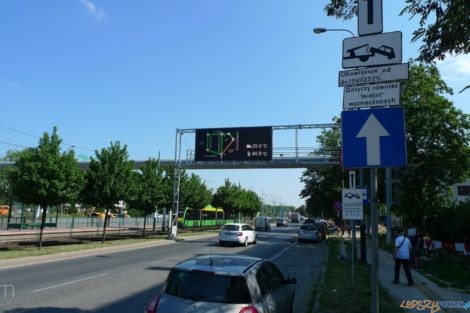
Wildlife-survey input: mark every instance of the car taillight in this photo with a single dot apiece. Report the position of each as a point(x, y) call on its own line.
point(153, 304)
point(240, 234)
point(249, 309)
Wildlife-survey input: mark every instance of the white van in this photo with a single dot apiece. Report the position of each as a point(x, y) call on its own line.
point(262, 223)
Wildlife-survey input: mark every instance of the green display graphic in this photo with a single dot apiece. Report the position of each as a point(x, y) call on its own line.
point(234, 144)
point(219, 143)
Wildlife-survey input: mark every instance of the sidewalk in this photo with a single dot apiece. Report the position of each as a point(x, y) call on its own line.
point(422, 289)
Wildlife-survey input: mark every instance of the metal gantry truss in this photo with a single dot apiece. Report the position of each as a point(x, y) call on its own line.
point(283, 157)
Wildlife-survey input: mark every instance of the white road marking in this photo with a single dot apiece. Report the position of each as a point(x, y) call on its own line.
point(70, 282)
point(280, 253)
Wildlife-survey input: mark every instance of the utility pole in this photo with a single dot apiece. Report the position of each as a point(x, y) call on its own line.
point(374, 243)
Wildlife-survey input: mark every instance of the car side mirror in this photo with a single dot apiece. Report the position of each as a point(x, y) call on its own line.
point(290, 280)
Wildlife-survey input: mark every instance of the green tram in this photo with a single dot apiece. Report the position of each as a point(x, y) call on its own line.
point(205, 217)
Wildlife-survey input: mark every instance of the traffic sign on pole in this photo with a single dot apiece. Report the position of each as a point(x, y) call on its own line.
point(373, 95)
point(352, 204)
point(373, 138)
point(372, 50)
point(376, 74)
point(369, 17)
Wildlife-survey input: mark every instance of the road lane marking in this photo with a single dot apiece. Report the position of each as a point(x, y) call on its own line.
point(70, 282)
point(280, 253)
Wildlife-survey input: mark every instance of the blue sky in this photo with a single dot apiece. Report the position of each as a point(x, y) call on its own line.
point(135, 71)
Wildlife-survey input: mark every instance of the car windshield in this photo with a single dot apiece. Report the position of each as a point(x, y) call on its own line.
point(230, 227)
point(207, 287)
point(308, 227)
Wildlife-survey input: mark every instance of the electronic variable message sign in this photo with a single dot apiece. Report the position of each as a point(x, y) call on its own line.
point(234, 144)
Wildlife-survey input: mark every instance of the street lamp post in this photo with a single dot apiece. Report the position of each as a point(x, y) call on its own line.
point(319, 30)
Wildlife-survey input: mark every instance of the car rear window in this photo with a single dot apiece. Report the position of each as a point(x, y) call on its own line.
point(207, 287)
point(230, 227)
point(308, 227)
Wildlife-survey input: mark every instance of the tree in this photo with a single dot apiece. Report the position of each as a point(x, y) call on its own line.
point(147, 188)
point(437, 142)
point(322, 185)
point(195, 193)
point(46, 177)
point(444, 25)
point(247, 202)
point(108, 179)
point(5, 188)
point(226, 196)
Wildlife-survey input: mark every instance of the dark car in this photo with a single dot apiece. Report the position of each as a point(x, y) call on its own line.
point(322, 227)
point(281, 222)
point(309, 221)
point(225, 283)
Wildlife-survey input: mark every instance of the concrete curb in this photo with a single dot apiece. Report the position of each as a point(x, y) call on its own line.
point(316, 303)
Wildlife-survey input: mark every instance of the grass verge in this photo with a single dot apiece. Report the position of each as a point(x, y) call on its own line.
point(18, 250)
point(448, 271)
point(337, 293)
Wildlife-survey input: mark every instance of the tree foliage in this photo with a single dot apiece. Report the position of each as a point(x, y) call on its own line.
point(437, 144)
point(322, 185)
point(235, 199)
point(147, 190)
point(226, 196)
point(248, 202)
point(196, 194)
point(444, 25)
point(44, 176)
point(108, 179)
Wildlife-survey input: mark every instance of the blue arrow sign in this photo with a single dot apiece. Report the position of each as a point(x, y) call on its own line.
point(374, 138)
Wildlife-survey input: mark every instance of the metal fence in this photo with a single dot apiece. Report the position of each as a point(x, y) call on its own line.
point(87, 222)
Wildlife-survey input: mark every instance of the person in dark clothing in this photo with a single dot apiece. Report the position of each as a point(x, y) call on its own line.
point(417, 250)
point(402, 257)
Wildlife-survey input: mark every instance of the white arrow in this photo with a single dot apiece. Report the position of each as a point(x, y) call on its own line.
point(372, 130)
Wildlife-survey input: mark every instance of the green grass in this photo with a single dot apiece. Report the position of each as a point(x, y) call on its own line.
point(9, 251)
point(448, 271)
point(337, 293)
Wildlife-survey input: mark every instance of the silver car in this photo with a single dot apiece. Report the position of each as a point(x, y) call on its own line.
point(309, 232)
point(225, 283)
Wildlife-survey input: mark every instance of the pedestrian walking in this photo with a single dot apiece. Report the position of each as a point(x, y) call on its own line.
point(401, 254)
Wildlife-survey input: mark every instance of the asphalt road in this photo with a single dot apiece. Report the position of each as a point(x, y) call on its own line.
point(125, 281)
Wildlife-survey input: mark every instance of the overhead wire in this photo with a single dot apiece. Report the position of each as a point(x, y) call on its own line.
point(36, 136)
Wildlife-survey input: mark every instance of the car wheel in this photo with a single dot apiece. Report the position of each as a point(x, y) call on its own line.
point(221, 243)
point(246, 242)
point(299, 240)
point(254, 240)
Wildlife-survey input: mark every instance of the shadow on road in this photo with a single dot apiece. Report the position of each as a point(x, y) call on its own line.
point(132, 303)
point(45, 310)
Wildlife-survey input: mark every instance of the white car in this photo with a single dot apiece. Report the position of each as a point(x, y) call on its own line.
point(309, 232)
point(238, 233)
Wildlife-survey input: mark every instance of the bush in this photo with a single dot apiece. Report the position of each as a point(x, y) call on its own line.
point(450, 224)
